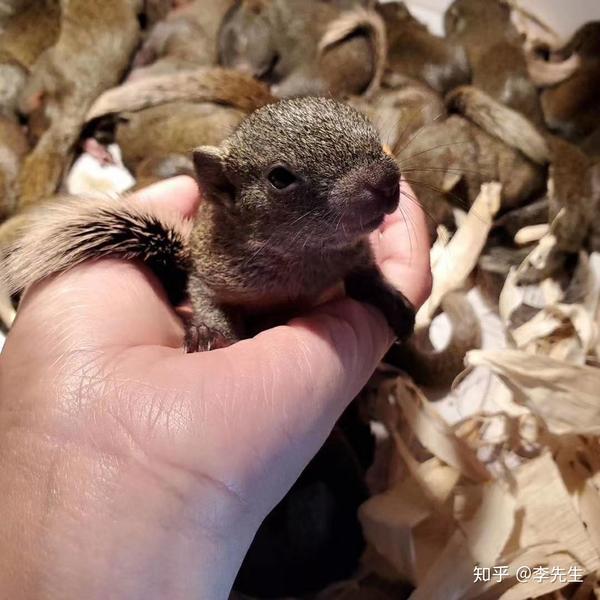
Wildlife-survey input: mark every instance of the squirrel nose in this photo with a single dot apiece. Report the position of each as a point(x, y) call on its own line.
point(386, 193)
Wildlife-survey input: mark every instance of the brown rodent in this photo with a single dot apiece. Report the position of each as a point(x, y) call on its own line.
point(13, 76)
point(173, 128)
point(572, 108)
point(414, 52)
point(591, 144)
point(91, 53)
point(433, 368)
point(496, 56)
point(13, 149)
point(400, 108)
point(501, 121)
point(24, 35)
point(31, 29)
point(186, 39)
point(290, 198)
point(450, 159)
point(305, 47)
point(574, 188)
point(573, 183)
point(162, 115)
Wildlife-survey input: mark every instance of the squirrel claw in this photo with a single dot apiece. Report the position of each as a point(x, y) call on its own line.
point(201, 338)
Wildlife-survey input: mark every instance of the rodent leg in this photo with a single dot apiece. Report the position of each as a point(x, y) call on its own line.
point(211, 326)
point(201, 338)
point(368, 285)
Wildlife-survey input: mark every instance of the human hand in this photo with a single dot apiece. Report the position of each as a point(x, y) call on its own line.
point(132, 470)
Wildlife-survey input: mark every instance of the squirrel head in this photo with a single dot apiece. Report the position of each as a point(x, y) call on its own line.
point(310, 171)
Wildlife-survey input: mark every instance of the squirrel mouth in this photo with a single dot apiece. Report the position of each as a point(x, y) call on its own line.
point(366, 225)
point(373, 223)
point(357, 226)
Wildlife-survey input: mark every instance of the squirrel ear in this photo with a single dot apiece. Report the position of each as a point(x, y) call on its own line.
point(210, 172)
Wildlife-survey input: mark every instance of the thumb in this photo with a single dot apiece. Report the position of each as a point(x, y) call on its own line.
point(264, 406)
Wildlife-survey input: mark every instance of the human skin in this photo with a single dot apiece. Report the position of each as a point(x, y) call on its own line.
point(129, 469)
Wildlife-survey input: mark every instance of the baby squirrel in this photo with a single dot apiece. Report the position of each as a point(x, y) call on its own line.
point(290, 198)
point(498, 64)
point(305, 47)
point(572, 108)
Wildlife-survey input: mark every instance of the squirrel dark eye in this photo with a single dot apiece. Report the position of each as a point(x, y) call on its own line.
point(281, 178)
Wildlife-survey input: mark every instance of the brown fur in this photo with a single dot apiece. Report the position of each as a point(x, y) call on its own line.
point(591, 144)
point(66, 231)
point(13, 149)
point(497, 59)
point(32, 29)
point(504, 123)
point(222, 86)
point(24, 35)
point(572, 108)
point(186, 39)
point(290, 198)
point(544, 73)
point(91, 53)
point(155, 168)
point(341, 29)
point(155, 11)
point(173, 128)
point(446, 162)
point(572, 188)
point(534, 213)
point(400, 108)
point(152, 123)
point(416, 53)
point(438, 368)
point(279, 42)
point(13, 76)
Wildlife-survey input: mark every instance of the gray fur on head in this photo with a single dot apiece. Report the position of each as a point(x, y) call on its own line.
point(333, 152)
point(333, 138)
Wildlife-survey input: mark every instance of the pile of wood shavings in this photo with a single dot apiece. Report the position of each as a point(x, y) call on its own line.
point(505, 502)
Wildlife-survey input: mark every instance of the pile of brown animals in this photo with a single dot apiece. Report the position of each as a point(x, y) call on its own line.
point(434, 471)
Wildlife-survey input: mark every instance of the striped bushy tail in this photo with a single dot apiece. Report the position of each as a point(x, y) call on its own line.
point(67, 231)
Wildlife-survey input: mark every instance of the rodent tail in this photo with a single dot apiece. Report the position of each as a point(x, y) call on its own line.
point(207, 84)
point(438, 368)
point(500, 121)
point(57, 236)
point(353, 21)
point(544, 73)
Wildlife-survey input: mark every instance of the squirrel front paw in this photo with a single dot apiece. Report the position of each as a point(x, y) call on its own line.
point(368, 285)
point(201, 338)
point(399, 312)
